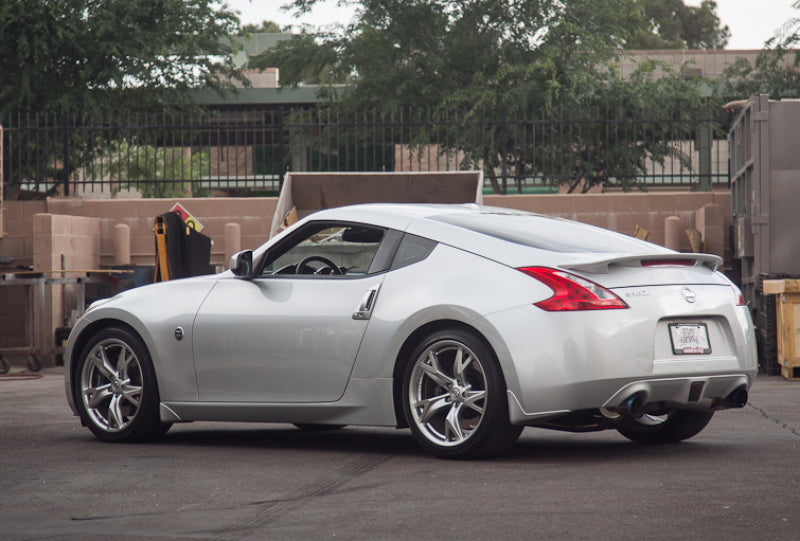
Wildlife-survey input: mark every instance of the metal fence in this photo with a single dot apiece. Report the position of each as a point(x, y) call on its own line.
point(174, 153)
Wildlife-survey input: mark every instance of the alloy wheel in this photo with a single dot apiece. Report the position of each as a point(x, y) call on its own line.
point(111, 385)
point(447, 393)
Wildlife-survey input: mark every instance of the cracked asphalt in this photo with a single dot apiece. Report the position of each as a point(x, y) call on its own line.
point(740, 478)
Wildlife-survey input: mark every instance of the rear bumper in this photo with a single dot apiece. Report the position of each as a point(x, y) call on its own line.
point(560, 362)
point(690, 392)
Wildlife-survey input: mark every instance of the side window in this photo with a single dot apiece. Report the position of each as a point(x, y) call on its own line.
point(412, 249)
point(326, 250)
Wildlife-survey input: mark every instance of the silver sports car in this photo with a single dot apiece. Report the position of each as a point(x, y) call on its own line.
point(463, 323)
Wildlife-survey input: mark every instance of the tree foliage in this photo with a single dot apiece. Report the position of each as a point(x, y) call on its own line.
point(268, 27)
point(671, 24)
point(429, 52)
point(494, 61)
point(81, 54)
point(776, 70)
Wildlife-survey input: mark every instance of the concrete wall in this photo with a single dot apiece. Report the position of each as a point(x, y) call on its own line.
point(62, 242)
point(623, 212)
point(39, 232)
point(254, 216)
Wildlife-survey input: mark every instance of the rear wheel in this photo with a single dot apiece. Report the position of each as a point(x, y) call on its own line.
point(116, 390)
point(673, 426)
point(454, 397)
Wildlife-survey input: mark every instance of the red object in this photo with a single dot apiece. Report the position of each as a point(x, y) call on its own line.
point(571, 292)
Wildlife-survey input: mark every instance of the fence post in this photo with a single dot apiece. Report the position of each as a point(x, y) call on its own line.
point(281, 164)
point(503, 150)
point(704, 149)
point(66, 154)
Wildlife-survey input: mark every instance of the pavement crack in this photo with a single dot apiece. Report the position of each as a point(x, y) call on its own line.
point(775, 420)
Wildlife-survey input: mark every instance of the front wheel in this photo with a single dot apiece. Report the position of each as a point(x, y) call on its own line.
point(116, 390)
point(454, 397)
point(671, 427)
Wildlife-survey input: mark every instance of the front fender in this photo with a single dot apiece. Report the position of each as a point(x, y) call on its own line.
point(154, 312)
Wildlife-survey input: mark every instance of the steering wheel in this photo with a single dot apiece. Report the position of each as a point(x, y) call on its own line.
point(324, 260)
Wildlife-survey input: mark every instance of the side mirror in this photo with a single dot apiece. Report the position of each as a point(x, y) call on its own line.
point(242, 264)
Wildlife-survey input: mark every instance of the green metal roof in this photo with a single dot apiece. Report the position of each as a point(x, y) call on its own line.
point(258, 96)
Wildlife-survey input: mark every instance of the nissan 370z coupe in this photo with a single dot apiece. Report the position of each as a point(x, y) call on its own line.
point(463, 323)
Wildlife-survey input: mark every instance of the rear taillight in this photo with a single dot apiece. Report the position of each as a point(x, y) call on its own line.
point(738, 294)
point(571, 292)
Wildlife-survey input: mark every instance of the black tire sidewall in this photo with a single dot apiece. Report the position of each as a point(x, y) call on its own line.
point(680, 425)
point(147, 424)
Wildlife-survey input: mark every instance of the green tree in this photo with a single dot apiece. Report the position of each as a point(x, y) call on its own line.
point(776, 70)
point(483, 62)
point(267, 27)
point(671, 24)
point(430, 52)
point(83, 54)
point(154, 170)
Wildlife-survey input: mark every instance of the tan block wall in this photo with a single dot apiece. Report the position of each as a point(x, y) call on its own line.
point(254, 216)
point(624, 211)
point(231, 162)
point(83, 230)
point(17, 242)
point(18, 228)
point(704, 63)
point(61, 242)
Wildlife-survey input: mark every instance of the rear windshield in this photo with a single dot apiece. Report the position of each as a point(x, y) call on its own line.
point(546, 233)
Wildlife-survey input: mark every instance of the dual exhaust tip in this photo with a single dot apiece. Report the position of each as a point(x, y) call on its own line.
point(634, 404)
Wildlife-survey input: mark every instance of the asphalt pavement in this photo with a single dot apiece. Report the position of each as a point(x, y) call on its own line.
point(739, 479)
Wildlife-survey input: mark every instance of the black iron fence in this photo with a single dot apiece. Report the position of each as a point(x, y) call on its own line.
point(249, 151)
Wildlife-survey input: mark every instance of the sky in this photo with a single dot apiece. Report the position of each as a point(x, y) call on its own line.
point(751, 22)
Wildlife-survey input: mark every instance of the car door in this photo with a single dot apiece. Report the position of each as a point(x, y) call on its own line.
point(292, 333)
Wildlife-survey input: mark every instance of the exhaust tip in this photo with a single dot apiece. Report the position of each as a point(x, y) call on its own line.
point(634, 405)
point(737, 399)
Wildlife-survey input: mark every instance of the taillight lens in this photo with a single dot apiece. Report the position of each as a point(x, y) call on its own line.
point(571, 292)
point(738, 294)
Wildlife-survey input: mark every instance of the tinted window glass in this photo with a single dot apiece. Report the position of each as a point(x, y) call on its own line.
point(412, 249)
point(545, 233)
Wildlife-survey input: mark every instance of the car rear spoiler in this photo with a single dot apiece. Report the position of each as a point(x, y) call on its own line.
point(601, 267)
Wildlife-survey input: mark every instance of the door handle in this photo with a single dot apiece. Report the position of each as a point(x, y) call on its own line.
point(364, 310)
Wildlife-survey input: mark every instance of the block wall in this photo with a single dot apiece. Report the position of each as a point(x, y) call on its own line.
point(254, 216)
point(39, 232)
point(623, 212)
point(17, 242)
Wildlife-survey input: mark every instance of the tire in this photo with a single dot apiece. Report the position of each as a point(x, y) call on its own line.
point(34, 363)
point(116, 390)
point(672, 427)
point(454, 397)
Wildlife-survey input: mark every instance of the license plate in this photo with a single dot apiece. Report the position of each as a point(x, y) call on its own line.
point(689, 338)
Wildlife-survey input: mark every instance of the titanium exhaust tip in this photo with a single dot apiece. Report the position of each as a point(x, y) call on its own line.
point(634, 405)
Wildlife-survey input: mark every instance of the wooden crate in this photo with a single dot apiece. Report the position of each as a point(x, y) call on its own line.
point(791, 373)
point(787, 312)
